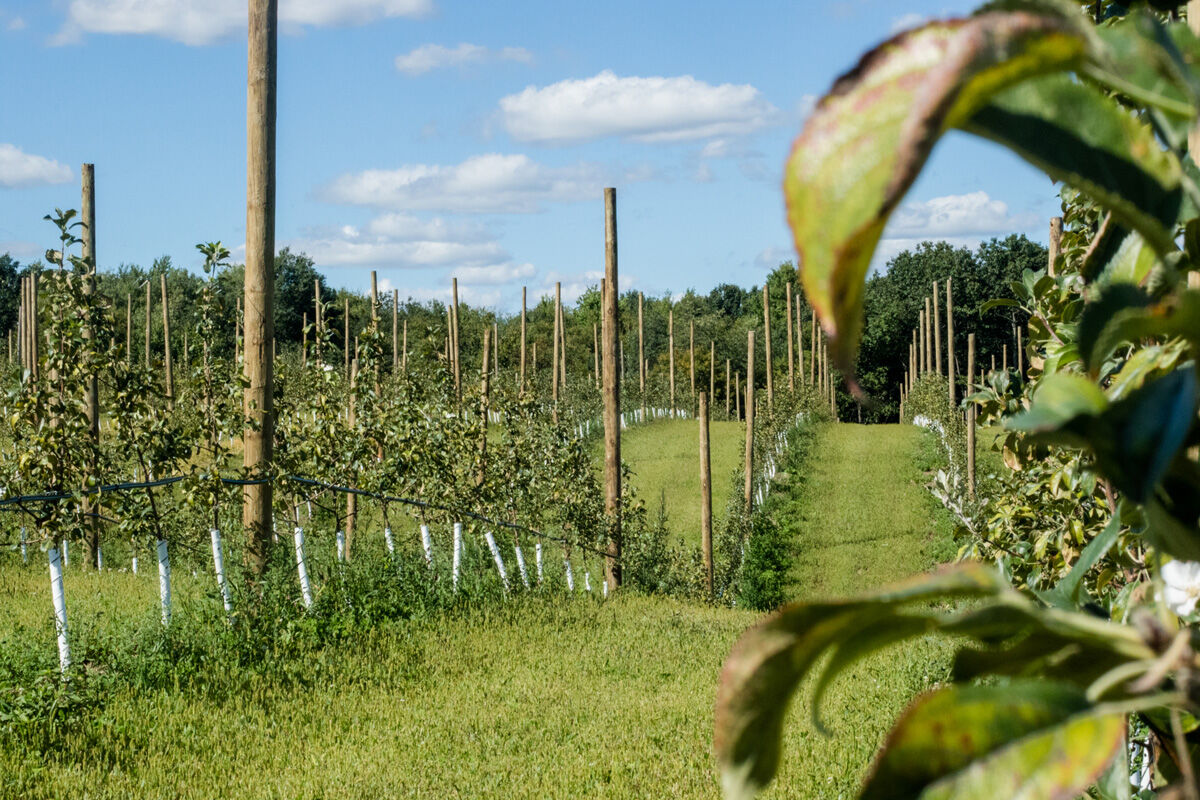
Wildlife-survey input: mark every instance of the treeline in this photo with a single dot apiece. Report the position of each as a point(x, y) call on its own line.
point(717, 322)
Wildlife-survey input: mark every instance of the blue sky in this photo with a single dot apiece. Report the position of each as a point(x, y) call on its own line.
point(430, 138)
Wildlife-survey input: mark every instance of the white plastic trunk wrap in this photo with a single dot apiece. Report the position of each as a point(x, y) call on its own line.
point(427, 545)
point(219, 568)
point(570, 575)
point(60, 610)
point(456, 560)
point(341, 545)
point(302, 567)
point(66, 556)
point(387, 540)
point(24, 548)
point(164, 581)
point(521, 566)
point(587, 581)
point(537, 557)
point(491, 543)
point(99, 559)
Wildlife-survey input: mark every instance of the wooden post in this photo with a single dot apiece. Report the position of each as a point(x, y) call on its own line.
point(671, 351)
point(128, 330)
point(612, 396)
point(749, 420)
point(562, 349)
point(950, 342)
point(346, 335)
point(375, 325)
point(1020, 355)
point(496, 349)
point(352, 420)
point(404, 346)
point(455, 351)
point(937, 332)
point(705, 497)
point(554, 355)
point(317, 320)
point(770, 364)
point(712, 370)
point(727, 388)
point(1056, 229)
point(167, 366)
point(641, 355)
point(799, 339)
point(258, 402)
point(787, 301)
point(91, 392)
point(483, 408)
point(146, 362)
point(692, 359)
point(596, 351)
point(970, 417)
point(812, 355)
point(737, 395)
point(237, 335)
point(523, 338)
point(395, 329)
point(1004, 361)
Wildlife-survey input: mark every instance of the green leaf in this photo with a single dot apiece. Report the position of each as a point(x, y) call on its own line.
point(867, 140)
point(1078, 135)
point(1030, 739)
point(999, 302)
point(1060, 399)
point(1065, 594)
point(1113, 299)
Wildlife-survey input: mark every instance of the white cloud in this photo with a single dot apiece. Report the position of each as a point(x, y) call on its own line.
point(197, 22)
point(18, 168)
point(956, 215)
point(771, 257)
point(653, 109)
point(491, 183)
point(15, 24)
point(21, 250)
point(435, 56)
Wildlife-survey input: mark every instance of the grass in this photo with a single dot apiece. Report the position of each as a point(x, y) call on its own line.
point(537, 697)
point(665, 458)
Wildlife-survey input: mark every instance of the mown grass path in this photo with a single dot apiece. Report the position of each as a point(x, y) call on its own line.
point(858, 518)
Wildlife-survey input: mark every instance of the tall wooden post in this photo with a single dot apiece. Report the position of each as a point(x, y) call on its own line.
point(812, 355)
point(375, 324)
point(596, 351)
point(770, 364)
point(1020, 356)
point(749, 420)
point(455, 344)
point(799, 339)
point(970, 417)
point(671, 352)
point(950, 342)
point(1056, 229)
point(641, 355)
point(937, 332)
point(146, 362)
point(346, 335)
point(1004, 359)
point(395, 329)
point(737, 395)
point(167, 365)
point(523, 338)
point(787, 301)
point(562, 350)
point(712, 370)
point(705, 496)
point(318, 321)
point(258, 402)
point(692, 359)
point(554, 355)
point(612, 396)
point(91, 392)
point(352, 420)
point(481, 474)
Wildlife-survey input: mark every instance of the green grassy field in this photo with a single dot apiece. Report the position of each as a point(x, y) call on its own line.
point(665, 456)
point(554, 697)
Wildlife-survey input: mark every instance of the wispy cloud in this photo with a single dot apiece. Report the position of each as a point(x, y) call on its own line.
point(18, 168)
point(652, 109)
point(199, 22)
point(429, 57)
point(490, 183)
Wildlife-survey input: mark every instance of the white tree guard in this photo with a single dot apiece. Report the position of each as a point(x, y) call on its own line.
point(66, 556)
point(491, 543)
point(341, 546)
point(164, 581)
point(456, 560)
point(99, 558)
point(24, 547)
point(389, 542)
point(302, 567)
point(219, 568)
point(570, 575)
point(587, 581)
point(427, 545)
point(60, 609)
point(537, 555)
point(521, 566)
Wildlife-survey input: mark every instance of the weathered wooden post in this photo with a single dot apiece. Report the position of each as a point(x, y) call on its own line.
point(737, 395)
point(258, 402)
point(146, 362)
point(770, 364)
point(727, 398)
point(705, 497)
point(346, 335)
point(950, 342)
point(799, 339)
point(712, 370)
point(692, 359)
point(749, 420)
point(455, 350)
point(167, 365)
point(523, 339)
point(971, 417)
point(562, 347)
point(395, 329)
point(351, 497)
point(812, 360)
point(787, 302)
point(671, 352)
point(612, 396)
point(91, 393)
point(483, 408)
point(937, 333)
point(1056, 229)
point(554, 357)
